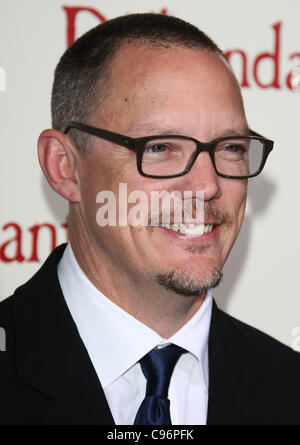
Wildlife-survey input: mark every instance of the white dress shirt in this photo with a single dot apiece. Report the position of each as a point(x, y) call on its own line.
point(116, 341)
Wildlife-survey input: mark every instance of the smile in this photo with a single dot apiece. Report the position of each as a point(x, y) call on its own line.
point(189, 229)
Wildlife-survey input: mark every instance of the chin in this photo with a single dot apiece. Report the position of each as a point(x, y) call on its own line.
point(191, 284)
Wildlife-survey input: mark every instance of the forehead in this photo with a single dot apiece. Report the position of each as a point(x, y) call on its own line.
point(170, 84)
point(138, 65)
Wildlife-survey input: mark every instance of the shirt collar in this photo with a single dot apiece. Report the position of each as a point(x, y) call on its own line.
point(114, 339)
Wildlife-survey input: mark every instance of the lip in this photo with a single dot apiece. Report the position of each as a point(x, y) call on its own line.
point(197, 223)
point(206, 237)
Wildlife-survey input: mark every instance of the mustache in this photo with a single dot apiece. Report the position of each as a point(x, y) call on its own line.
point(215, 216)
point(210, 214)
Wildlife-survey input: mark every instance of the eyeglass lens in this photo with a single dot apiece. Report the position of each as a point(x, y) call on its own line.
point(171, 156)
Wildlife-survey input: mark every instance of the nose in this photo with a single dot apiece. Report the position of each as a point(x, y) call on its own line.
point(203, 177)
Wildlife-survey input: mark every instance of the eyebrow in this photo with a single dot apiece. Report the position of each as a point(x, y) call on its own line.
point(152, 129)
point(243, 132)
point(149, 129)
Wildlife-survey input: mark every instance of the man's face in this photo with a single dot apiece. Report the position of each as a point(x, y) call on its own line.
point(166, 91)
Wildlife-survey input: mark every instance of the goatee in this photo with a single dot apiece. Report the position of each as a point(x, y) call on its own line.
point(182, 283)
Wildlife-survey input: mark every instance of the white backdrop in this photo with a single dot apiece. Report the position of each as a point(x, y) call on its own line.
point(261, 284)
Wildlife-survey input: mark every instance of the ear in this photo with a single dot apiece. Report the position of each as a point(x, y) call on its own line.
point(58, 162)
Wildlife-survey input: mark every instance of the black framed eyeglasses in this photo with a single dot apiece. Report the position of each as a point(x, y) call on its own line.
point(163, 156)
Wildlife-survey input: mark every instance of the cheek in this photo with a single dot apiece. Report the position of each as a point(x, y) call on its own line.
point(235, 197)
point(107, 175)
point(240, 207)
point(242, 197)
point(93, 179)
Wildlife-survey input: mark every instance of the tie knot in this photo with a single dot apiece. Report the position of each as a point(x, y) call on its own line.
point(158, 366)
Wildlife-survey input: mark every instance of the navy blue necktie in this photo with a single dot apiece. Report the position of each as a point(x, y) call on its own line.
point(157, 366)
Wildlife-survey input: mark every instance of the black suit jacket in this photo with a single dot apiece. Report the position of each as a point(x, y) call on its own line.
point(46, 375)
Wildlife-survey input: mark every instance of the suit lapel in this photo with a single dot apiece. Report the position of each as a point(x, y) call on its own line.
point(51, 356)
point(234, 373)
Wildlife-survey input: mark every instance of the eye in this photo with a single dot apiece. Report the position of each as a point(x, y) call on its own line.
point(235, 148)
point(163, 150)
point(156, 148)
point(232, 148)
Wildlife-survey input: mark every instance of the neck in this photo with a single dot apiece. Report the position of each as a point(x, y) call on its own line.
point(162, 310)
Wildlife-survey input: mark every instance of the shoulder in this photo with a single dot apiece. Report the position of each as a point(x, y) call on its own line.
point(28, 299)
point(23, 317)
point(268, 369)
point(8, 376)
point(5, 310)
point(256, 350)
point(6, 323)
point(255, 338)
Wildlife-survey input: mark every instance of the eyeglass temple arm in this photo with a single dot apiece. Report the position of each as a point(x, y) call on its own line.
point(108, 135)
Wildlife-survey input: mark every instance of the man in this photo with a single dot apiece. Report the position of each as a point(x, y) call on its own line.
point(120, 326)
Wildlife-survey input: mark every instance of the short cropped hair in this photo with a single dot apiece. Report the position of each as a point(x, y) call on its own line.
point(81, 80)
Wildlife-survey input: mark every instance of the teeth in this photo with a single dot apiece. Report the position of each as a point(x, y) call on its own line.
point(189, 229)
point(208, 228)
